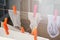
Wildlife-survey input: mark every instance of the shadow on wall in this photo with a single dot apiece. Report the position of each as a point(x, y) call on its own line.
point(26, 24)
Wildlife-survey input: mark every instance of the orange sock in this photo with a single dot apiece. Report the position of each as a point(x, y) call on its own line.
point(5, 26)
point(22, 29)
point(14, 9)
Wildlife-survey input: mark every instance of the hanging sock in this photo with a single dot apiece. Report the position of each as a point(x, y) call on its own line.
point(52, 26)
point(33, 17)
point(5, 26)
point(15, 17)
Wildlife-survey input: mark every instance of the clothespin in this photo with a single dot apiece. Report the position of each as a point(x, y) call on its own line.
point(5, 26)
point(22, 29)
point(14, 9)
point(55, 15)
point(34, 33)
point(35, 10)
